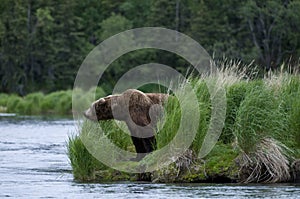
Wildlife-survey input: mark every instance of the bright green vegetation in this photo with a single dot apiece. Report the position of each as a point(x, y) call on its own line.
point(83, 163)
point(43, 43)
point(260, 138)
point(88, 168)
point(58, 103)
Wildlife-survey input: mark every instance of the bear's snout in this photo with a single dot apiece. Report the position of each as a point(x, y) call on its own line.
point(90, 114)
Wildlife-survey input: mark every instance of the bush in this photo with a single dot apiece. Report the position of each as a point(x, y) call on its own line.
point(32, 103)
point(59, 102)
point(3, 99)
point(12, 103)
point(64, 103)
point(51, 100)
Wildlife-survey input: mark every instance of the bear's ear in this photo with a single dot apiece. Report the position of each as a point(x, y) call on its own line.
point(102, 100)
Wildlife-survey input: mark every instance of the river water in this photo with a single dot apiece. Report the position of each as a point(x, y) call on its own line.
point(34, 164)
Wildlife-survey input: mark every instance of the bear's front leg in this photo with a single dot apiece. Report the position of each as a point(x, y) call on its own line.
point(139, 148)
point(143, 146)
point(149, 144)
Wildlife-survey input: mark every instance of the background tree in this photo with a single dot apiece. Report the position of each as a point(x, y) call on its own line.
point(274, 29)
point(43, 43)
point(15, 43)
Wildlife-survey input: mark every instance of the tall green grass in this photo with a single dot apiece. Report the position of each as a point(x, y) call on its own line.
point(259, 116)
point(262, 122)
point(84, 165)
point(290, 95)
point(172, 116)
point(235, 95)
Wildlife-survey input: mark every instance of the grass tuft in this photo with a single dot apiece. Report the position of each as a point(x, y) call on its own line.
point(258, 116)
point(84, 165)
point(268, 163)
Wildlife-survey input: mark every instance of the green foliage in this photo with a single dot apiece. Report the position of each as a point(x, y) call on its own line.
point(269, 17)
point(259, 116)
point(235, 95)
point(52, 100)
point(153, 88)
point(203, 96)
point(290, 95)
point(117, 135)
point(32, 104)
point(12, 103)
point(59, 102)
point(172, 116)
point(113, 25)
point(129, 8)
point(3, 99)
point(107, 133)
point(82, 162)
point(43, 43)
point(64, 103)
point(163, 14)
point(221, 161)
point(294, 120)
point(214, 23)
point(99, 93)
point(169, 126)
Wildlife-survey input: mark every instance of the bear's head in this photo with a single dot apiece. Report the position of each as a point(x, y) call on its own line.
point(101, 109)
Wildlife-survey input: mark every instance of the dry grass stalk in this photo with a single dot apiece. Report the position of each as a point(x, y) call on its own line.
point(267, 164)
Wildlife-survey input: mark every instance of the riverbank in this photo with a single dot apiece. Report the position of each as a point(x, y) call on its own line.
point(59, 102)
point(55, 103)
point(260, 141)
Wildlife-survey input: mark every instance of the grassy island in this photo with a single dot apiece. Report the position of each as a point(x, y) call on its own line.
point(260, 141)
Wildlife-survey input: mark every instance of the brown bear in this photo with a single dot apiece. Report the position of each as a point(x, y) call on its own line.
point(139, 110)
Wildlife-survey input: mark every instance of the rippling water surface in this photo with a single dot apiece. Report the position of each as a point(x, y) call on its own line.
point(34, 164)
